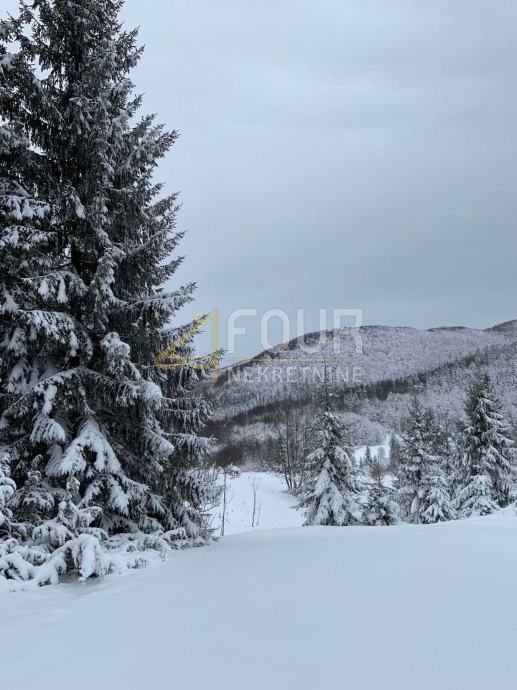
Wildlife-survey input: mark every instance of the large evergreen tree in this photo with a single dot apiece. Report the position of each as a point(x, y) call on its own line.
point(486, 471)
point(332, 496)
point(91, 420)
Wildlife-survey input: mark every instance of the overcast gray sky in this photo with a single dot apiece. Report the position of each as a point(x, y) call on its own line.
point(340, 153)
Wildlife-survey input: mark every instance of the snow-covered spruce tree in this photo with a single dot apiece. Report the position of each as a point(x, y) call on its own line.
point(394, 451)
point(380, 507)
point(18, 560)
point(447, 440)
point(415, 458)
point(437, 505)
point(7, 491)
point(423, 486)
point(486, 471)
point(103, 441)
point(331, 498)
point(367, 462)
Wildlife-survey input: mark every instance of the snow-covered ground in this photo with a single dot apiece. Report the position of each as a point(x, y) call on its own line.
point(408, 608)
point(402, 608)
point(381, 451)
point(273, 506)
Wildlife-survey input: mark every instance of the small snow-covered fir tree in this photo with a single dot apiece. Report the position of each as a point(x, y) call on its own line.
point(380, 507)
point(332, 496)
point(367, 462)
point(394, 451)
point(103, 439)
point(437, 505)
point(475, 497)
point(17, 560)
point(486, 472)
point(415, 459)
point(423, 485)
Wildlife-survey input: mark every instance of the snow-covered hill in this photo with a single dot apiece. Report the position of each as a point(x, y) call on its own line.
point(394, 364)
point(400, 608)
point(444, 388)
point(362, 355)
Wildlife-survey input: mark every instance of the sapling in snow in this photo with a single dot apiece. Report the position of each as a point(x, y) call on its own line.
point(380, 507)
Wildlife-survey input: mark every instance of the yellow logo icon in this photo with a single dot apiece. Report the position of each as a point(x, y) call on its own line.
point(172, 356)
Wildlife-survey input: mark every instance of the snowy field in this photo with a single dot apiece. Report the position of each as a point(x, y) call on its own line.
point(273, 506)
point(408, 608)
point(381, 450)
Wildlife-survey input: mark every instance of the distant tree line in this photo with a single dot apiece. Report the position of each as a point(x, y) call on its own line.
point(438, 470)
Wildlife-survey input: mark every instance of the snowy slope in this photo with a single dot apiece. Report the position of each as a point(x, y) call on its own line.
point(364, 355)
point(394, 364)
point(274, 507)
point(402, 608)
